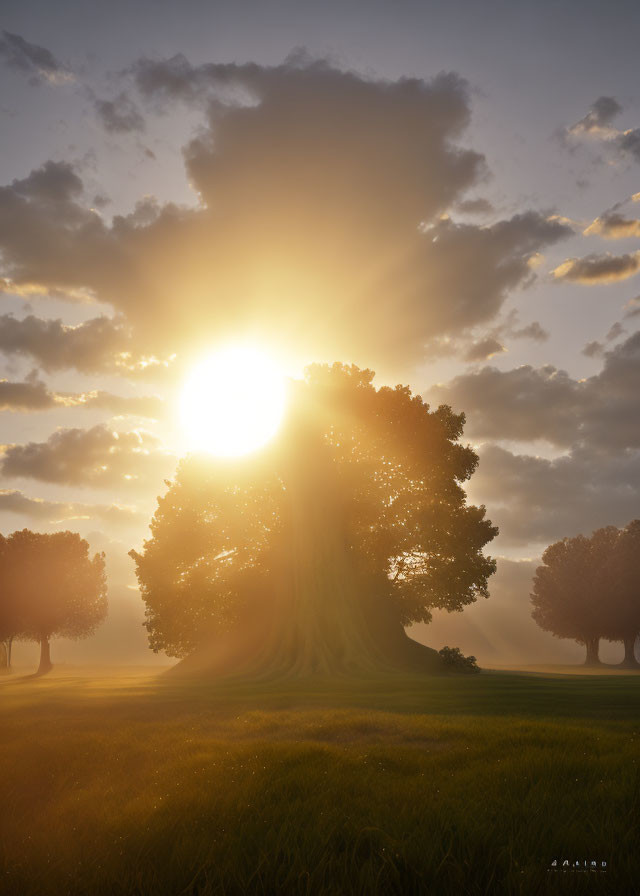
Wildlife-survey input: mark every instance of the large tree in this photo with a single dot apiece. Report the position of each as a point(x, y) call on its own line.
point(315, 553)
point(55, 586)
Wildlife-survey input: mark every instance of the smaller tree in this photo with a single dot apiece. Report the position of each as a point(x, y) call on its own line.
point(570, 589)
point(57, 588)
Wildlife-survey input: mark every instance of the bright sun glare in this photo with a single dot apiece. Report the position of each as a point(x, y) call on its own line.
point(233, 402)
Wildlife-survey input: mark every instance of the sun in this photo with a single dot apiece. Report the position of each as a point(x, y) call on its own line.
point(233, 401)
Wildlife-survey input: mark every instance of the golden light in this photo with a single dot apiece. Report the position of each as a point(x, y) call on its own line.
point(233, 402)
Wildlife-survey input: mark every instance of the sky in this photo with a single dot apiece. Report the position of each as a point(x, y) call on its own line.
point(447, 193)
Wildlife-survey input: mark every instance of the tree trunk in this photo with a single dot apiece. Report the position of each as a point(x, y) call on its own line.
point(9, 649)
point(45, 656)
point(593, 648)
point(4, 656)
point(630, 661)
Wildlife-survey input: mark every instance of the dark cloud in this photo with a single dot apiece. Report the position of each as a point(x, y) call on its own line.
point(93, 346)
point(119, 115)
point(614, 226)
point(320, 220)
point(523, 404)
point(534, 499)
point(614, 331)
point(476, 267)
point(596, 269)
point(484, 349)
point(612, 418)
point(597, 125)
point(55, 182)
point(593, 349)
point(491, 343)
point(534, 331)
point(37, 62)
point(629, 143)
point(598, 119)
point(13, 501)
point(49, 240)
point(167, 80)
point(527, 403)
point(475, 206)
point(31, 395)
point(596, 348)
point(96, 456)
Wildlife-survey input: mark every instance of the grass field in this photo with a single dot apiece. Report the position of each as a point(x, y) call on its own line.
point(457, 784)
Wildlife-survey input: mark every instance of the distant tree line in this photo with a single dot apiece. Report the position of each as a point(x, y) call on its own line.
point(588, 589)
point(49, 585)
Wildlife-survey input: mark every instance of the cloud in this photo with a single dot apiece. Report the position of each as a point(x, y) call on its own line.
point(491, 343)
point(597, 121)
point(597, 125)
point(528, 403)
point(534, 499)
point(131, 405)
point(534, 331)
point(119, 115)
point(477, 267)
point(615, 330)
point(98, 457)
point(596, 269)
point(31, 395)
point(522, 404)
point(477, 206)
point(89, 347)
point(319, 226)
point(596, 347)
point(633, 307)
point(484, 349)
point(54, 182)
point(34, 395)
point(593, 349)
point(13, 501)
point(37, 62)
point(629, 142)
point(99, 345)
point(614, 226)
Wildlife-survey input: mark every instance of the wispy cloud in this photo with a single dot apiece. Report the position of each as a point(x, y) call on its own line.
point(33, 60)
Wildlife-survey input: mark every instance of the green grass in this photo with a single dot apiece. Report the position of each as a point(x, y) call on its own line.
point(455, 784)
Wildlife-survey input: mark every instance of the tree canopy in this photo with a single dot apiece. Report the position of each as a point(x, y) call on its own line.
point(352, 524)
point(588, 588)
point(50, 586)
